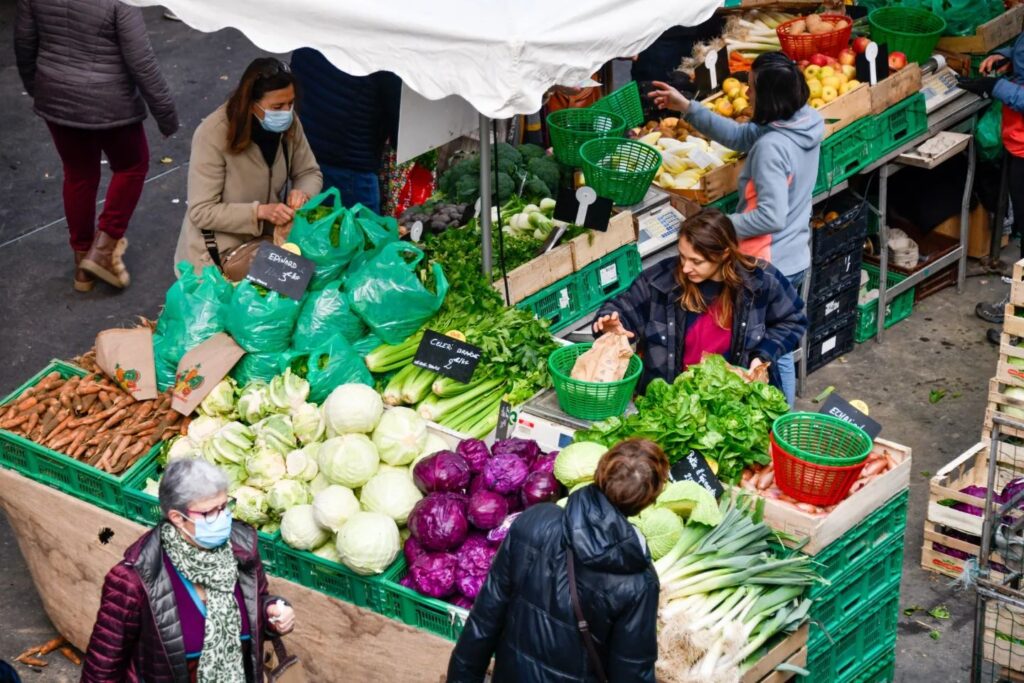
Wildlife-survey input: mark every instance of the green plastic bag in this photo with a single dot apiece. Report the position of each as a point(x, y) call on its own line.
point(387, 294)
point(261, 321)
point(367, 344)
point(325, 237)
point(989, 133)
point(963, 17)
point(324, 314)
point(330, 365)
point(262, 366)
point(375, 232)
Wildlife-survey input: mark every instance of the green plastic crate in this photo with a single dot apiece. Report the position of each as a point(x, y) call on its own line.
point(845, 153)
point(882, 670)
point(897, 125)
point(610, 275)
point(55, 469)
point(329, 578)
point(626, 103)
point(896, 309)
point(561, 304)
point(428, 614)
point(726, 204)
point(856, 647)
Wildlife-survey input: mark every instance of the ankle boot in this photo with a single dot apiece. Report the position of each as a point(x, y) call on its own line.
point(104, 260)
point(83, 281)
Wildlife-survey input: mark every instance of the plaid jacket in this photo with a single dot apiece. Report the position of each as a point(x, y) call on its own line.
point(768, 321)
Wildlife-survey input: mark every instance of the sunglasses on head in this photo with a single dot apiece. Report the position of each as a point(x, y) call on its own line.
point(274, 68)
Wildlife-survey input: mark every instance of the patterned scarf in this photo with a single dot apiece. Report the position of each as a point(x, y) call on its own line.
point(217, 572)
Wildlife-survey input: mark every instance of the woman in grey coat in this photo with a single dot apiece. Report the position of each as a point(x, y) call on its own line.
point(90, 69)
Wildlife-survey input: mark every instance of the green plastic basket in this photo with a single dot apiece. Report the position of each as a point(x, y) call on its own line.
point(914, 32)
point(896, 309)
point(626, 103)
point(821, 439)
point(621, 170)
point(570, 128)
point(590, 400)
point(856, 648)
point(428, 614)
point(329, 578)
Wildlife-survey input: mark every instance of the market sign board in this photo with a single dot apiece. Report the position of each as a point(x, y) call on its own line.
point(837, 406)
point(278, 269)
point(447, 356)
point(695, 468)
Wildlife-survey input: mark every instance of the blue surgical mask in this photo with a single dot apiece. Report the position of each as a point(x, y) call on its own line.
point(213, 534)
point(277, 121)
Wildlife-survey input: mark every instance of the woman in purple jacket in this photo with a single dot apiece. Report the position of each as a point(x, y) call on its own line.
point(189, 602)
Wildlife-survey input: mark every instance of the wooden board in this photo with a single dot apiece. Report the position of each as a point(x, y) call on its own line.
point(933, 560)
point(1009, 621)
point(787, 650)
point(595, 244)
point(535, 275)
point(1017, 286)
point(714, 185)
point(895, 88)
point(989, 35)
point(60, 538)
point(998, 400)
point(970, 468)
point(842, 111)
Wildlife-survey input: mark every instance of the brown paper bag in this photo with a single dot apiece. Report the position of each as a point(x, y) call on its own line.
point(606, 361)
point(758, 374)
point(126, 356)
point(201, 369)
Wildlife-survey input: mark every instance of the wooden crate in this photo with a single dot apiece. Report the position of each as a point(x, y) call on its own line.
point(714, 185)
point(535, 275)
point(895, 88)
point(1006, 372)
point(989, 35)
point(1017, 286)
point(792, 649)
point(999, 401)
point(1012, 322)
point(820, 531)
point(938, 562)
point(842, 111)
point(1008, 620)
point(595, 244)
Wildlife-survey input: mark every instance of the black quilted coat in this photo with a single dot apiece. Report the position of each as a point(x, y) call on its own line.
point(89, 64)
point(523, 616)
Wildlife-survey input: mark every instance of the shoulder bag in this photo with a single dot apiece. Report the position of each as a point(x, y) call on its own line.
point(589, 642)
point(281, 667)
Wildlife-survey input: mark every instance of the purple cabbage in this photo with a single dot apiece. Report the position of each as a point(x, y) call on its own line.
point(434, 574)
point(525, 449)
point(544, 463)
point(486, 509)
point(515, 502)
point(498, 534)
point(505, 473)
point(474, 562)
point(540, 487)
point(439, 522)
point(1010, 490)
point(412, 550)
point(475, 453)
point(477, 484)
point(978, 492)
point(407, 582)
point(469, 585)
point(442, 471)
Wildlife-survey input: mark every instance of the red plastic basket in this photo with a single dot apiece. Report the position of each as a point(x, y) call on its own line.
point(805, 45)
point(821, 485)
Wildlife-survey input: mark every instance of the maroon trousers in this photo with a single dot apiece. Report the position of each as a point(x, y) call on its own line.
point(80, 151)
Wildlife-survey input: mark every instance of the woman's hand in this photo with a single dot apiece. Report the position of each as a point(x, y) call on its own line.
point(296, 199)
point(610, 324)
point(755, 364)
point(281, 618)
point(667, 97)
point(997, 62)
point(281, 233)
point(278, 214)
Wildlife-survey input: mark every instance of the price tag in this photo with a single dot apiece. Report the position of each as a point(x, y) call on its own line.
point(608, 275)
point(416, 231)
point(281, 270)
point(837, 406)
point(506, 420)
point(563, 298)
point(695, 468)
point(828, 345)
point(702, 158)
point(447, 356)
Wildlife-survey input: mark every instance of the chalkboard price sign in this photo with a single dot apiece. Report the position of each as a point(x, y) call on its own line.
point(695, 468)
point(281, 270)
point(506, 420)
point(447, 356)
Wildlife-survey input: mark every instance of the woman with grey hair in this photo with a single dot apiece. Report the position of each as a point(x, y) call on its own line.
point(189, 602)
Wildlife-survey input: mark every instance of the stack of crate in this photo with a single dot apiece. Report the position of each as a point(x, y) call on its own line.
point(837, 240)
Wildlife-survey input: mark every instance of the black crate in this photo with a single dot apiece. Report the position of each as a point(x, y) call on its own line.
point(832, 277)
point(827, 310)
point(843, 234)
point(831, 342)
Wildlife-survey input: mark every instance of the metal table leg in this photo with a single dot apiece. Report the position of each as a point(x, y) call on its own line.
point(883, 247)
point(965, 214)
point(801, 367)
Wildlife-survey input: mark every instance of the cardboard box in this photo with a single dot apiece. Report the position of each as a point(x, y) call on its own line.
point(979, 233)
point(897, 87)
point(989, 35)
point(595, 244)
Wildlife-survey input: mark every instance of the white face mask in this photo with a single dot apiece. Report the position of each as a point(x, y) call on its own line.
point(276, 121)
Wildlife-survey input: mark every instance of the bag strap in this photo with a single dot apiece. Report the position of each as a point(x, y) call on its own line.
point(211, 247)
point(581, 621)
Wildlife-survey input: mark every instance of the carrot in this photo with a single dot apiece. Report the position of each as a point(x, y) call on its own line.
point(890, 462)
point(70, 655)
point(788, 499)
point(79, 440)
point(114, 419)
point(29, 402)
point(111, 455)
point(27, 653)
point(52, 645)
point(17, 421)
point(33, 661)
point(874, 468)
point(766, 478)
point(807, 507)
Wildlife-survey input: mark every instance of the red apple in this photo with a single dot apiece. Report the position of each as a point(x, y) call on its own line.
point(802, 64)
point(847, 57)
point(860, 43)
point(819, 59)
point(897, 60)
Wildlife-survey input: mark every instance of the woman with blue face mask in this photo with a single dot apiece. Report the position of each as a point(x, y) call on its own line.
point(189, 602)
point(251, 167)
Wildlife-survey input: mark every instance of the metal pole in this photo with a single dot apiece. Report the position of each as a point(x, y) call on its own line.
point(485, 193)
point(1001, 208)
point(883, 248)
point(965, 212)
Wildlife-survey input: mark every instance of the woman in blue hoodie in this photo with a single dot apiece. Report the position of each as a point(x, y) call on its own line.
point(782, 143)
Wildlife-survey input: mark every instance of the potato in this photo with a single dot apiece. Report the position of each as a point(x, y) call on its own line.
point(812, 20)
point(798, 28)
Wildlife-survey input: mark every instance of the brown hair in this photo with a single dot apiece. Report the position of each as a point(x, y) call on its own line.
point(263, 75)
point(712, 235)
point(632, 474)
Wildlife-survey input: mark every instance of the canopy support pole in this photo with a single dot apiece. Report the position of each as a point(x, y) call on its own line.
point(485, 194)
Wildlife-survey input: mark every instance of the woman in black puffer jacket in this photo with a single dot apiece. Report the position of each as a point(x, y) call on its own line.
point(524, 617)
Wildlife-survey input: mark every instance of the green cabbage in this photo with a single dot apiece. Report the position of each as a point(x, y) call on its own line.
point(203, 427)
point(302, 464)
point(221, 401)
point(319, 483)
point(349, 460)
point(577, 462)
point(286, 494)
point(662, 528)
point(300, 530)
point(333, 506)
point(328, 551)
point(308, 423)
point(400, 436)
point(287, 391)
point(368, 542)
point(254, 402)
point(352, 408)
point(391, 493)
point(691, 500)
point(181, 447)
point(275, 433)
point(229, 444)
point(251, 506)
point(265, 467)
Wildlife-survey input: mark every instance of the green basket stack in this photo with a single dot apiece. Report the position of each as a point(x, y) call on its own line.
point(914, 32)
point(845, 153)
point(561, 304)
point(571, 128)
point(590, 400)
point(896, 309)
point(619, 169)
point(626, 103)
point(58, 470)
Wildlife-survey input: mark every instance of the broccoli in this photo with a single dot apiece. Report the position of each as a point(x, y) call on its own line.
point(450, 178)
point(507, 165)
point(548, 172)
point(503, 150)
point(535, 187)
point(530, 151)
point(467, 189)
point(504, 186)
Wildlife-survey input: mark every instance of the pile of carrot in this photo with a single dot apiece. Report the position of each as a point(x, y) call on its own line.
point(92, 420)
point(761, 480)
point(33, 656)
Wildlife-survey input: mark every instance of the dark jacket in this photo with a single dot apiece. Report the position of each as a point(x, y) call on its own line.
point(137, 636)
point(767, 323)
point(89, 64)
point(347, 118)
point(523, 615)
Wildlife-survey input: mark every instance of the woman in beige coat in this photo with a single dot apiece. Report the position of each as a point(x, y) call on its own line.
point(251, 168)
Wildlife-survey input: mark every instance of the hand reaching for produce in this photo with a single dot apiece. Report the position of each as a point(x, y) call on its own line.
point(296, 199)
point(610, 324)
point(278, 214)
point(667, 97)
point(281, 618)
point(996, 63)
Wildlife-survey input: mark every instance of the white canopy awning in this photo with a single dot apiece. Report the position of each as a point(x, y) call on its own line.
point(499, 55)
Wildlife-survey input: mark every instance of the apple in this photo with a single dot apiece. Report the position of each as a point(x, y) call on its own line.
point(817, 103)
point(860, 44)
point(831, 82)
point(833, 62)
point(819, 59)
point(814, 87)
point(848, 86)
point(827, 71)
point(828, 93)
point(849, 71)
point(802, 64)
point(812, 72)
point(847, 57)
point(897, 60)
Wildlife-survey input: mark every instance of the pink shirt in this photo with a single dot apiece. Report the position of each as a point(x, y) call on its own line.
point(705, 335)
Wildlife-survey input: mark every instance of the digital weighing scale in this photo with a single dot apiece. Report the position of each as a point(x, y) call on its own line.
point(657, 222)
point(542, 420)
point(938, 83)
